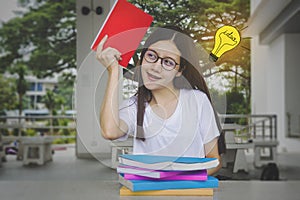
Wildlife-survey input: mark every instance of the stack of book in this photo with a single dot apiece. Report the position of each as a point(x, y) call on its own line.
point(150, 175)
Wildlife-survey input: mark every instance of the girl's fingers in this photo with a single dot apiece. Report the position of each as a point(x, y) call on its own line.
point(118, 55)
point(100, 46)
point(109, 55)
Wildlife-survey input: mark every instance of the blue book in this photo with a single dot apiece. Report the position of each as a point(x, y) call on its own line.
point(146, 185)
point(168, 162)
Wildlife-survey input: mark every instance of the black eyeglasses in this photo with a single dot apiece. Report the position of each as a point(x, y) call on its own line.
point(167, 63)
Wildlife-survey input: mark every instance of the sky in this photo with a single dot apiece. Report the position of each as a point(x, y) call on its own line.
point(6, 9)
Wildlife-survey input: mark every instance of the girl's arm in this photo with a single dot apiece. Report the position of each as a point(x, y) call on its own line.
point(212, 151)
point(111, 125)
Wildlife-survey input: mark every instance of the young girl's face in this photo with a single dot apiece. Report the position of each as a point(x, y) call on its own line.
point(160, 65)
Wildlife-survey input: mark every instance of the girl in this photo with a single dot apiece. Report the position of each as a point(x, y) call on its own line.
point(171, 114)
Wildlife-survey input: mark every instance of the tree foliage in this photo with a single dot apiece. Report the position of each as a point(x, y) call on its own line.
point(52, 101)
point(8, 97)
point(65, 89)
point(43, 38)
point(21, 83)
point(202, 18)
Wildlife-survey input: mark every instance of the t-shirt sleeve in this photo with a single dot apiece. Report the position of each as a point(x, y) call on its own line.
point(127, 113)
point(208, 124)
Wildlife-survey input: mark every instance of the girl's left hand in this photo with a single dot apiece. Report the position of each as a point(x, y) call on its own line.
point(109, 56)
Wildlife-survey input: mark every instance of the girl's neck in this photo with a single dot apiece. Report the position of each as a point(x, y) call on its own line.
point(164, 96)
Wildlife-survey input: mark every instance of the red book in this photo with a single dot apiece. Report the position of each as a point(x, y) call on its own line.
point(125, 26)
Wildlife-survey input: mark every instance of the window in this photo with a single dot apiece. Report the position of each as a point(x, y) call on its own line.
point(39, 87)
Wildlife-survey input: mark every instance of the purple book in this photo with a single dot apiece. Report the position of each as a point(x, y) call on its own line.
point(197, 175)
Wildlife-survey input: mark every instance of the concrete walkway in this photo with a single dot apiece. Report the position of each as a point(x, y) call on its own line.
point(66, 166)
point(67, 177)
point(288, 164)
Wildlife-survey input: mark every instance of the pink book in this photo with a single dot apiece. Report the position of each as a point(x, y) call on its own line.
point(198, 175)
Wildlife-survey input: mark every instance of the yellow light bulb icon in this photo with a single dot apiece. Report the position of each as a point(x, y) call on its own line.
point(226, 38)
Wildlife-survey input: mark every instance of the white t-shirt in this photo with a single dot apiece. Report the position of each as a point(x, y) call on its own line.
point(184, 133)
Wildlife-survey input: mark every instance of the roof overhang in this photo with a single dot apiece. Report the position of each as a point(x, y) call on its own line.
point(272, 18)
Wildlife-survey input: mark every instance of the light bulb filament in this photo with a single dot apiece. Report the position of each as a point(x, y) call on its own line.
point(230, 36)
point(224, 36)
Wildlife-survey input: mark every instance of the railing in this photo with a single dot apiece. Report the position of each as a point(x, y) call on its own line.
point(248, 126)
point(44, 125)
point(253, 126)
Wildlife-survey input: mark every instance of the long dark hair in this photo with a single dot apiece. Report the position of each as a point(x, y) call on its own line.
point(191, 77)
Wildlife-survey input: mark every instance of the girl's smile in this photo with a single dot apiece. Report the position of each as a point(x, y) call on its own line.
point(152, 77)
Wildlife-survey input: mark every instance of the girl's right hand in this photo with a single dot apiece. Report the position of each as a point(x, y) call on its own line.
point(109, 56)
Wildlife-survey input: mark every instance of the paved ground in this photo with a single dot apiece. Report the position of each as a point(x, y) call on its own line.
point(288, 164)
point(65, 166)
point(70, 178)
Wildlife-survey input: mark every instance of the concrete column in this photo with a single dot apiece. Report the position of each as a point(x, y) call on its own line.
point(91, 79)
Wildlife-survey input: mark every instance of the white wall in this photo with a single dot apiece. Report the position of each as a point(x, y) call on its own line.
point(259, 63)
point(263, 12)
point(254, 4)
point(275, 83)
point(275, 77)
point(292, 82)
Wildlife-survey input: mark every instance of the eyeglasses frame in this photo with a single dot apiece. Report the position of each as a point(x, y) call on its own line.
point(161, 60)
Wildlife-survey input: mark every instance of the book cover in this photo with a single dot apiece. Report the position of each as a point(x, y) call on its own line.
point(125, 26)
point(198, 175)
point(145, 185)
point(181, 192)
point(168, 162)
point(126, 169)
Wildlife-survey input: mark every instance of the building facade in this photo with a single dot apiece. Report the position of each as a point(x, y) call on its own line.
point(37, 89)
point(274, 26)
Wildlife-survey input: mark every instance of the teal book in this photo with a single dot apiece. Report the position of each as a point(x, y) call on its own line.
point(146, 185)
point(155, 162)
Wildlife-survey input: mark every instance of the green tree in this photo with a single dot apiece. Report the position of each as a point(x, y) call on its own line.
point(44, 37)
point(52, 102)
point(8, 97)
point(202, 18)
point(65, 89)
point(21, 86)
